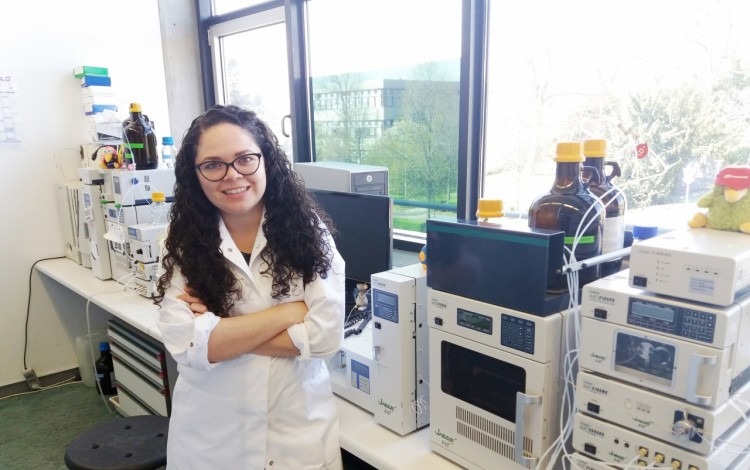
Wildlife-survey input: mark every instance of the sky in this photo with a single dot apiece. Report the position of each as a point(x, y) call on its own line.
point(362, 35)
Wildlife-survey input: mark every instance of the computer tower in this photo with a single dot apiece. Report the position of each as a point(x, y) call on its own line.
point(344, 177)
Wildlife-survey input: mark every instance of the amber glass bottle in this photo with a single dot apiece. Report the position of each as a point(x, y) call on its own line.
point(140, 140)
point(600, 184)
point(563, 208)
point(105, 370)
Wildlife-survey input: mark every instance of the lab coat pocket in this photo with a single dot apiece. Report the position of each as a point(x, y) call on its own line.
point(321, 405)
point(317, 384)
point(199, 420)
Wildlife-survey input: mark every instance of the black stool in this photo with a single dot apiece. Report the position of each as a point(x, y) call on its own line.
point(132, 443)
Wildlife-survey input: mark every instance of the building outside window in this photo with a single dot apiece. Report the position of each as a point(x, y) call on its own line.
point(380, 78)
point(666, 83)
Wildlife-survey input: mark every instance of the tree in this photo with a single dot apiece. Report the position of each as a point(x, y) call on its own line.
point(682, 126)
point(236, 92)
point(340, 123)
point(421, 149)
point(687, 129)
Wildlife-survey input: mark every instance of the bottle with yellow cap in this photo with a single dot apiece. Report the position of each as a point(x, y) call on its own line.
point(565, 207)
point(159, 210)
point(600, 184)
point(139, 140)
point(489, 209)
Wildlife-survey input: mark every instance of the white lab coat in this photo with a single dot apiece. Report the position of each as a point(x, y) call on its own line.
point(255, 412)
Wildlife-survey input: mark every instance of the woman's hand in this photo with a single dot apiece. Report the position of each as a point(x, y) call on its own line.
point(194, 303)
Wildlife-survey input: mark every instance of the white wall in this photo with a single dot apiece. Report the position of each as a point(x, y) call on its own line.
point(40, 43)
point(179, 35)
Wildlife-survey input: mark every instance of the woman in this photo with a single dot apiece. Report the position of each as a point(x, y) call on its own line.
point(252, 300)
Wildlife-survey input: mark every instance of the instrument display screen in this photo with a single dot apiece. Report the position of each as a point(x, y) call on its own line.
point(653, 310)
point(474, 321)
point(689, 323)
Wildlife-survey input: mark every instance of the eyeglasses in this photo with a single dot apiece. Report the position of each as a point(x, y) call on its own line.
point(214, 170)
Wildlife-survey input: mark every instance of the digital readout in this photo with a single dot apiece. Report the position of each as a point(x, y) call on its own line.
point(474, 321)
point(651, 310)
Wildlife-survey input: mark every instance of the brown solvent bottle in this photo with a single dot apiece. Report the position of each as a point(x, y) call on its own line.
point(600, 185)
point(139, 140)
point(565, 207)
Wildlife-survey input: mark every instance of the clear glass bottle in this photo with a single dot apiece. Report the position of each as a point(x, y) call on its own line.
point(139, 140)
point(159, 211)
point(167, 151)
point(599, 183)
point(565, 207)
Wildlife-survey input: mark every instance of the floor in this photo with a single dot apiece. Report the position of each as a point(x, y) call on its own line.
point(36, 427)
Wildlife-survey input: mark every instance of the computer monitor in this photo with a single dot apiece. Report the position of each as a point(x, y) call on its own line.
point(364, 230)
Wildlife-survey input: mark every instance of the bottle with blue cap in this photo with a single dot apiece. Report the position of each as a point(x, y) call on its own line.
point(167, 152)
point(644, 232)
point(105, 370)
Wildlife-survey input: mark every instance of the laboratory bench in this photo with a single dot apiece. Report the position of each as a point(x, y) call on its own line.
point(359, 434)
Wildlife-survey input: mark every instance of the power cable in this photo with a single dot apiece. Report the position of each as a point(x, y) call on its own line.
point(28, 310)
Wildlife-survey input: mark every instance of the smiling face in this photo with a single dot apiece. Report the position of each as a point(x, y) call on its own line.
point(236, 196)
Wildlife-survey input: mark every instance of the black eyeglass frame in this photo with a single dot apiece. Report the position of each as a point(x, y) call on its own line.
point(199, 166)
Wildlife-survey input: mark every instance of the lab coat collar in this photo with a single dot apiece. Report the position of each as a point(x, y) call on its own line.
point(233, 253)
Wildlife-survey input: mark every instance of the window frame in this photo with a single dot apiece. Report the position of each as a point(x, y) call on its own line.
point(471, 101)
point(217, 31)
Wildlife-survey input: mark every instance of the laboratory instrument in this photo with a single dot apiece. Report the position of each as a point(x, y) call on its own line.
point(704, 265)
point(506, 264)
point(384, 369)
point(496, 381)
point(344, 177)
point(612, 443)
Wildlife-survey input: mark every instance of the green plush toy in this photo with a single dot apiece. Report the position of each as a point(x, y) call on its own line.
point(728, 206)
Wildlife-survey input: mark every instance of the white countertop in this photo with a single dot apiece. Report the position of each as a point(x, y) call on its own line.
point(132, 308)
point(381, 447)
point(359, 433)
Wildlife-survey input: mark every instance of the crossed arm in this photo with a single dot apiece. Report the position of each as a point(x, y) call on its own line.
point(263, 333)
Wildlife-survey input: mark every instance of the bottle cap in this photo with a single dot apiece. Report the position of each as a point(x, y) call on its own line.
point(158, 196)
point(104, 346)
point(488, 208)
point(135, 107)
point(569, 152)
point(167, 140)
point(595, 148)
point(642, 232)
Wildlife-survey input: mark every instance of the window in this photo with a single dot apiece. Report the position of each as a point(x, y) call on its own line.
point(250, 67)
point(672, 75)
point(221, 7)
point(377, 76)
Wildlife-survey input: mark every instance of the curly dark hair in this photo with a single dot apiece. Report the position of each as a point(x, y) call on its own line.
point(296, 244)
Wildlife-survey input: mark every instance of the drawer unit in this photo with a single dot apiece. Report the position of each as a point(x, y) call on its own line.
point(143, 371)
point(129, 406)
